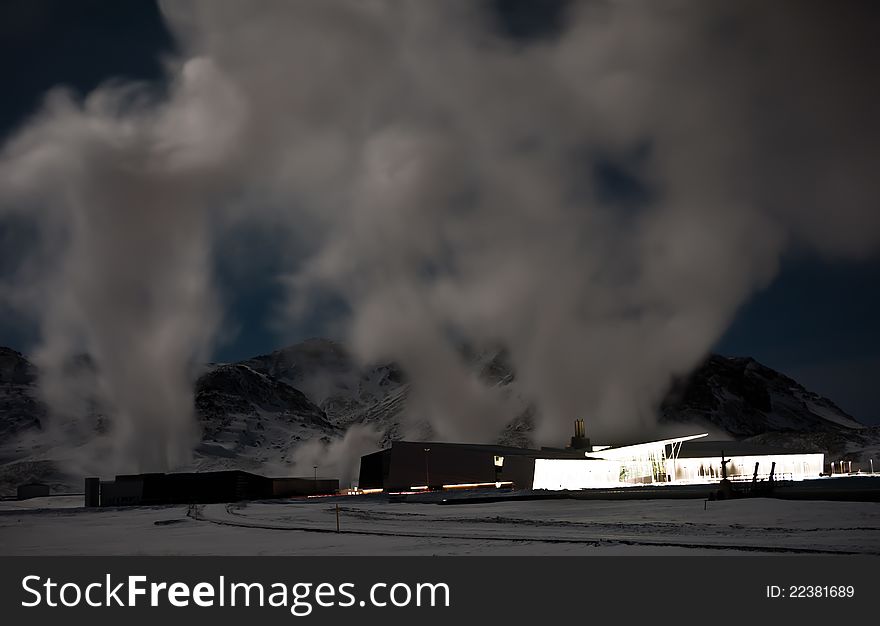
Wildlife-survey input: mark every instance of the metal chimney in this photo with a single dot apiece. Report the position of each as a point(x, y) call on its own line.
point(580, 440)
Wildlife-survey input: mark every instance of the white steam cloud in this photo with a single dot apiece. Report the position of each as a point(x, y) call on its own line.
point(339, 458)
point(453, 185)
point(120, 185)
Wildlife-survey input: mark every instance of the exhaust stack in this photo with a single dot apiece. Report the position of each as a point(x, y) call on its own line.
point(580, 440)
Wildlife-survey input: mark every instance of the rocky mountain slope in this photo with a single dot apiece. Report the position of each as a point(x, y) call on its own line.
point(327, 374)
point(20, 409)
point(255, 414)
point(245, 413)
point(744, 398)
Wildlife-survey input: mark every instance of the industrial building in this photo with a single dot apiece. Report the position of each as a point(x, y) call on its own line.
point(199, 488)
point(32, 490)
point(422, 466)
point(699, 461)
point(408, 465)
point(680, 460)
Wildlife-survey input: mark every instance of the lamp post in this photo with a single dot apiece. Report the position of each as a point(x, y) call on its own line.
point(427, 475)
point(315, 467)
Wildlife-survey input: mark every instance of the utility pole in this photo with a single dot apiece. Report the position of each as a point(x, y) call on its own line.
point(427, 474)
point(315, 467)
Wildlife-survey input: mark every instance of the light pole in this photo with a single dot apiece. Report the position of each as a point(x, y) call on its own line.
point(872, 466)
point(427, 475)
point(315, 467)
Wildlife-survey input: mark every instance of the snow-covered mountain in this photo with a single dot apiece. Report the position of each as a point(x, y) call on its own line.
point(254, 414)
point(747, 400)
point(744, 398)
point(19, 408)
point(251, 417)
point(325, 372)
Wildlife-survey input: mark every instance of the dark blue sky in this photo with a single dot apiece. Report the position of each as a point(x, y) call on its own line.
point(817, 322)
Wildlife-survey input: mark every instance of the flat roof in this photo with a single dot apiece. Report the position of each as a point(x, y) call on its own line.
point(498, 450)
point(641, 448)
point(215, 473)
point(700, 449)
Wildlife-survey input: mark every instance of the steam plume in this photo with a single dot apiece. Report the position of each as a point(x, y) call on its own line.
point(600, 202)
point(119, 184)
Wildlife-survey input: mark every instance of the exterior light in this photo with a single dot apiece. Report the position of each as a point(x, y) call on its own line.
point(427, 475)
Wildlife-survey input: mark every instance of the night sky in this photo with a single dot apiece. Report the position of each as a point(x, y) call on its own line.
point(817, 322)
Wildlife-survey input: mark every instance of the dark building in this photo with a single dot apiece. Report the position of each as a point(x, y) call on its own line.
point(93, 492)
point(202, 488)
point(32, 490)
point(408, 464)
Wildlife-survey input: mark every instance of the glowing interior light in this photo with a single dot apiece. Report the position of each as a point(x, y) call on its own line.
point(497, 485)
point(659, 462)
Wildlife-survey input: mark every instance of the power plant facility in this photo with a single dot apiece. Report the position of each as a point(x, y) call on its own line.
point(688, 460)
point(686, 466)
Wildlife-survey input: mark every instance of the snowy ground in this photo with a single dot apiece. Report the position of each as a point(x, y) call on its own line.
point(373, 526)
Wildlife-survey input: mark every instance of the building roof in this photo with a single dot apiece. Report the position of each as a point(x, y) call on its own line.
point(638, 449)
point(499, 450)
point(217, 473)
point(701, 449)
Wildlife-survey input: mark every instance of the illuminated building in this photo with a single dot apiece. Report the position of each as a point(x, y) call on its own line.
point(681, 460)
point(413, 466)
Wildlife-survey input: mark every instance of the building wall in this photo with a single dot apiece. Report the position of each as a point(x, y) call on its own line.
point(518, 469)
point(374, 470)
point(92, 491)
point(206, 487)
point(122, 492)
point(411, 466)
point(555, 474)
point(33, 490)
point(406, 464)
point(708, 469)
